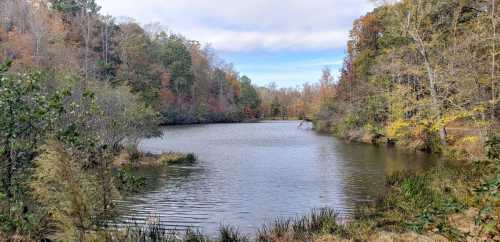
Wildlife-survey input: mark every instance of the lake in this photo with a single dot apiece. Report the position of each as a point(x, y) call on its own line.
point(247, 174)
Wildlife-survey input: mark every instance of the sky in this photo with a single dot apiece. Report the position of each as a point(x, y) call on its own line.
point(287, 42)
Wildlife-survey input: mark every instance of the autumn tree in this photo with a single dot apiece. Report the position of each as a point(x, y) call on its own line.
point(249, 99)
point(414, 70)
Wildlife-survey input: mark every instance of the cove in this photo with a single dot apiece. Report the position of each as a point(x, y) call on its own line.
point(248, 174)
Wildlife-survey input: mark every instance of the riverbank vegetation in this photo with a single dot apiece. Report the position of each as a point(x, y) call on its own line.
point(421, 75)
point(446, 203)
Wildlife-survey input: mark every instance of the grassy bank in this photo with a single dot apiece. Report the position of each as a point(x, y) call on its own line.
point(443, 204)
point(465, 142)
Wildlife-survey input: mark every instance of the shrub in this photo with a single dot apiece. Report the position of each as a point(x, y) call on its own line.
point(493, 148)
point(399, 130)
point(68, 193)
point(127, 181)
point(133, 153)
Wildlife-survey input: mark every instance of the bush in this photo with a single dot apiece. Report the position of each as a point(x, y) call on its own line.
point(493, 148)
point(127, 181)
point(133, 153)
point(69, 194)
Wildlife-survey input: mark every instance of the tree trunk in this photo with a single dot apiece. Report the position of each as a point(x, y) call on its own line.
point(432, 83)
point(493, 61)
point(9, 167)
point(87, 51)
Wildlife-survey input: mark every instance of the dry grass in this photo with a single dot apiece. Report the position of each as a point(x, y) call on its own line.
point(124, 158)
point(176, 158)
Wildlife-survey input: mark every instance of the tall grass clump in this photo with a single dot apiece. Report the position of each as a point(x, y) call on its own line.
point(148, 233)
point(279, 228)
point(318, 222)
point(231, 234)
point(155, 232)
point(414, 202)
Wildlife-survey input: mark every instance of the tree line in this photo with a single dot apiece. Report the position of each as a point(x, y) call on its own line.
point(179, 78)
point(301, 102)
point(421, 74)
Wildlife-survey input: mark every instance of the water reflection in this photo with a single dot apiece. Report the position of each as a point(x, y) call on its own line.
point(248, 174)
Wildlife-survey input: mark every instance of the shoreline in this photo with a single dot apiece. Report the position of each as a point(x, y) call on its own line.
point(231, 122)
point(440, 204)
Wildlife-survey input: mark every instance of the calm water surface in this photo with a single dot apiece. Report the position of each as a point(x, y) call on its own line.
point(248, 174)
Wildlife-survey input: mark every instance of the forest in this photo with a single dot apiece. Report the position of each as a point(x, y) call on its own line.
point(422, 75)
point(176, 77)
point(302, 102)
point(77, 86)
point(419, 74)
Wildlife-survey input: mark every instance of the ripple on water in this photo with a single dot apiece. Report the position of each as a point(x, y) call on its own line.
point(249, 174)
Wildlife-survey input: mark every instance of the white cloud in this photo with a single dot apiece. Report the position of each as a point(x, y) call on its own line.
point(248, 25)
point(242, 41)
